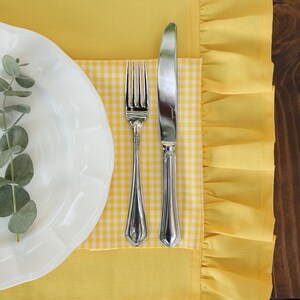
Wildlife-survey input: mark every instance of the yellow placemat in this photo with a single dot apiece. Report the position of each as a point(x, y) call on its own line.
point(109, 79)
point(234, 39)
point(108, 29)
point(238, 141)
point(130, 274)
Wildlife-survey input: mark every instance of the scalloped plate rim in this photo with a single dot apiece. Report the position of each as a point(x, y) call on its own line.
point(69, 248)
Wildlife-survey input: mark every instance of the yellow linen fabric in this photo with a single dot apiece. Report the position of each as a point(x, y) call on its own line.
point(234, 38)
point(238, 137)
point(109, 79)
point(147, 274)
point(108, 29)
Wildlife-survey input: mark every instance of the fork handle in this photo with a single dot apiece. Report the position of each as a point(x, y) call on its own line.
point(136, 228)
point(170, 233)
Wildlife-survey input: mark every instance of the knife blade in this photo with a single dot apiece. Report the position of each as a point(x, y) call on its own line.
point(170, 233)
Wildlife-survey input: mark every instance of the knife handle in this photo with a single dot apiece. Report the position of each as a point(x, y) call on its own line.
point(170, 233)
point(136, 228)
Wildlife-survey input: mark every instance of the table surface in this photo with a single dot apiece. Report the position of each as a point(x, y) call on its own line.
point(286, 58)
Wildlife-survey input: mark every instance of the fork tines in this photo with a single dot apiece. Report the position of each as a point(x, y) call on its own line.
point(136, 93)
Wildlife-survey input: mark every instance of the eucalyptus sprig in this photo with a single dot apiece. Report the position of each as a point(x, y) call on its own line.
point(14, 199)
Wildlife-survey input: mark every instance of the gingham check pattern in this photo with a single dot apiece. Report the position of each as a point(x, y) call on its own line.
point(109, 79)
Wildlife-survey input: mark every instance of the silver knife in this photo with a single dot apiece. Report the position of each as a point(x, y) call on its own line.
point(170, 233)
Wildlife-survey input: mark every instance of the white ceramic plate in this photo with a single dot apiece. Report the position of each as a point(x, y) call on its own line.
point(71, 146)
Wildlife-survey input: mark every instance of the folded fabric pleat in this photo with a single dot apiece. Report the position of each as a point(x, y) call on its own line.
point(238, 138)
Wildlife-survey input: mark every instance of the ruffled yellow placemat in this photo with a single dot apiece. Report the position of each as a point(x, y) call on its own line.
point(238, 140)
point(234, 39)
point(109, 79)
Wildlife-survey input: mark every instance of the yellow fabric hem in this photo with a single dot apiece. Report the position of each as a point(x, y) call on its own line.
point(143, 274)
point(107, 29)
point(238, 138)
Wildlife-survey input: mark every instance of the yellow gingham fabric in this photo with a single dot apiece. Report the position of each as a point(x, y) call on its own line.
point(109, 78)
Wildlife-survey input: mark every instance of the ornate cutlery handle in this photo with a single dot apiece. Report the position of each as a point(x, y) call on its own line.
point(136, 228)
point(170, 229)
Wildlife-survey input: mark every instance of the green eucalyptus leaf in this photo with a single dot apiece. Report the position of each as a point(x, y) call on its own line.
point(23, 65)
point(22, 108)
point(6, 203)
point(4, 181)
point(17, 93)
point(25, 81)
point(17, 137)
point(10, 66)
point(5, 155)
point(23, 170)
point(4, 85)
point(22, 197)
point(23, 219)
point(6, 200)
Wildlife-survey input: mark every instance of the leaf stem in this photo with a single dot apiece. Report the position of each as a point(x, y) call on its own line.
point(17, 120)
point(12, 169)
point(4, 101)
point(15, 208)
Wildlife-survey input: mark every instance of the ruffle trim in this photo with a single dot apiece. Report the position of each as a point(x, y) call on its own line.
point(238, 140)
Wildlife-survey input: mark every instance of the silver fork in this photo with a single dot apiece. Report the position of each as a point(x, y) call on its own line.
point(136, 96)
